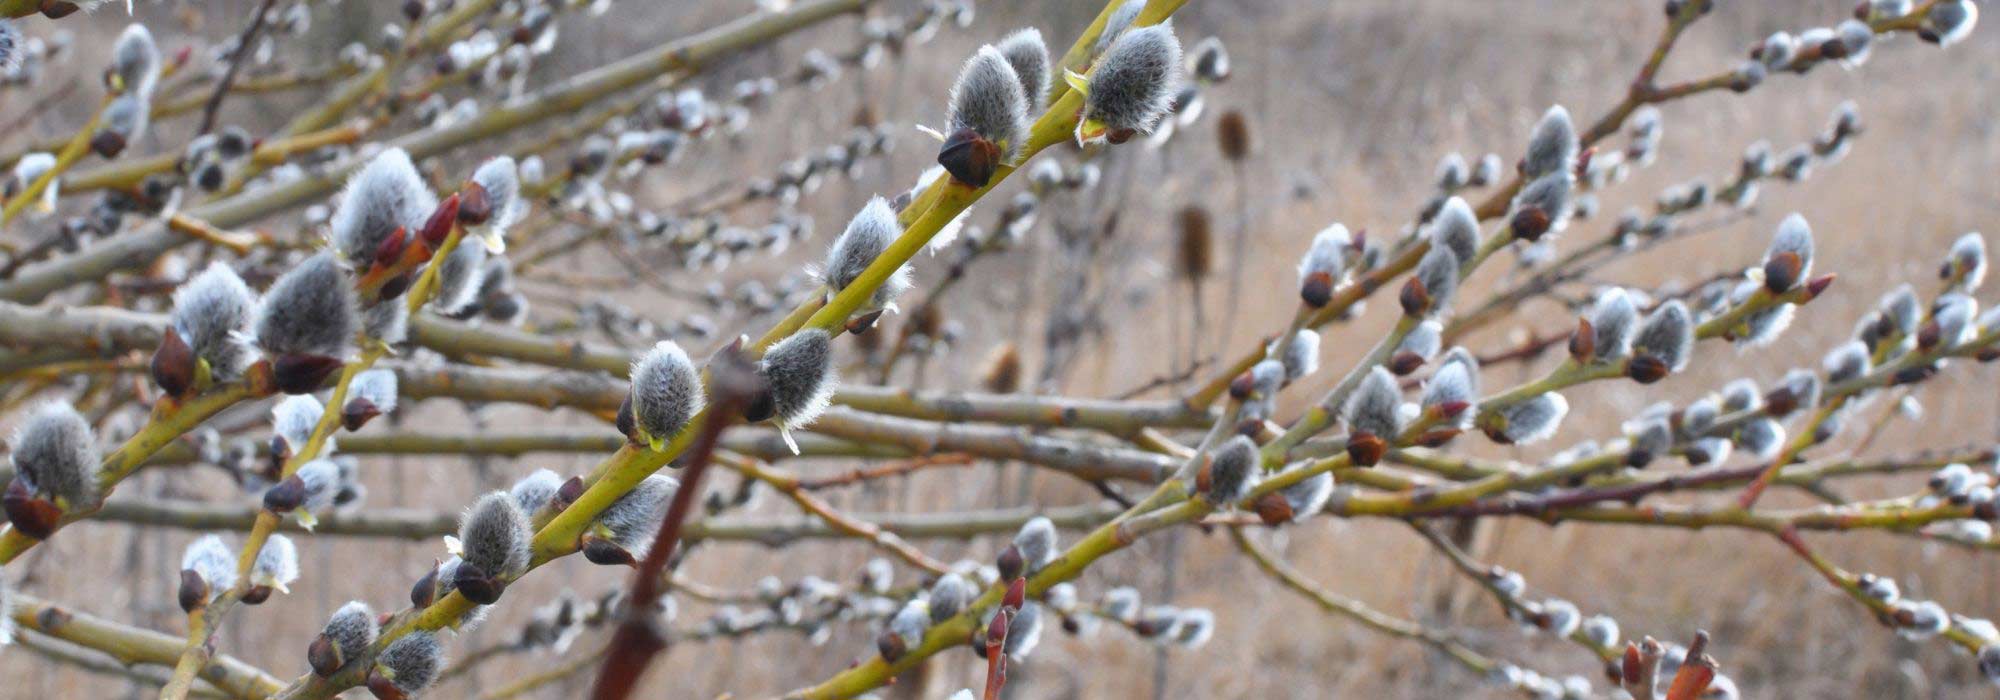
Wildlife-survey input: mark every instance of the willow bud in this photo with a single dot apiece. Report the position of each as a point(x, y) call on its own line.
point(666, 393)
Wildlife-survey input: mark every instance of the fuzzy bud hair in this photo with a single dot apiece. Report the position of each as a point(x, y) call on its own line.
point(535, 490)
point(634, 519)
point(989, 100)
point(1846, 362)
point(135, 60)
point(212, 560)
point(1543, 206)
point(1438, 273)
point(386, 194)
point(1553, 145)
point(1024, 633)
point(500, 178)
point(1793, 237)
point(1029, 55)
point(459, 280)
point(494, 535)
point(348, 634)
point(1949, 22)
point(868, 234)
point(1232, 470)
point(277, 564)
point(55, 455)
point(799, 372)
point(377, 386)
point(211, 313)
point(1309, 495)
point(1302, 356)
point(1535, 419)
point(1965, 266)
point(1324, 264)
point(1133, 85)
point(387, 322)
point(1376, 406)
point(124, 120)
point(1457, 228)
point(948, 596)
point(666, 392)
point(410, 663)
point(1614, 319)
point(1761, 438)
point(1037, 542)
point(1424, 341)
point(294, 417)
point(1667, 335)
point(1451, 383)
point(309, 311)
point(11, 44)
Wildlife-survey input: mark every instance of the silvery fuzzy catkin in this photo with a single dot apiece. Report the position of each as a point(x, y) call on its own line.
point(212, 560)
point(462, 274)
point(1552, 147)
point(500, 179)
point(1954, 314)
point(867, 235)
point(535, 490)
point(11, 45)
point(1613, 320)
point(1376, 406)
point(1457, 228)
point(1302, 355)
point(1438, 273)
point(348, 634)
point(135, 61)
point(1309, 495)
point(1761, 437)
point(1132, 86)
point(376, 386)
point(800, 375)
point(948, 596)
point(1949, 22)
point(1667, 335)
point(310, 310)
point(1037, 543)
point(905, 629)
point(1847, 361)
point(1451, 383)
point(1794, 237)
point(1451, 172)
point(1424, 341)
point(386, 194)
point(1232, 469)
point(294, 417)
point(410, 663)
point(277, 564)
point(1196, 627)
point(1653, 440)
point(494, 536)
point(1024, 633)
point(1543, 206)
point(988, 101)
point(389, 323)
point(55, 455)
point(1324, 265)
point(1459, 355)
point(1535, 419)
point(1965, 265)
point(1601, 631)
point(211, 313)
point(124, 120)
point(1029, 55)
point(1115, 25)
point(1563, 617)
point(634, 519)
point(666, 393)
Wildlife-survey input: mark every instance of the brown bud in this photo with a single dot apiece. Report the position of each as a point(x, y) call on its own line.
point(424, 591)
point(567, 494)
point(1780, 402)
point(1365, 449)
point(891, 645)
point(438, 227)
point(1415, 299)
point(1929, 335)
point(1646, 369)
point(383, 687)
point(1403, 363)
point(1232, 133)
point(1017, 594)
point(256, 595)
point(1438, 438)
point(324, 656)
point(1010, 563)
point(287, 496)
point(1781, 272)
point(476, 586)
point(1583, 342)
point(58, 9)
point(628, 423)
point(1202, 476)
point(302, 374)
point(864, 322)
point(357, 413)
point(391, 248)
point(1273, 508)
point(107, 144)
point(174, 364)
point(413, 10)
point(1317, 290)
point(31, 516)
point(970, 158)
point(1003, 370)
point(397, 285)
point(1530, 223)
point(194, 591)
point(1243, 386)
point(1197, 243)
point(603, 552)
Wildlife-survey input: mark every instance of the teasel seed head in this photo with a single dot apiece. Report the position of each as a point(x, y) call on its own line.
point(1664, 343)
point(948, 596)
point(625, 530)
point(1037, 543)
point(346, 636)
point(494, 538)
point(798, 372)
point(1196, 243)
point(1431, 289)
point(211, 318)
point(1324, 265)
point(1530, 421)
point(1552, 147)
point(306, 322)
point(208, 569)
point(1229, 473)
point(989, 119)
point(1131, 87)
point(370, 394)
point(385, 202)
point(1949, 22)
point(666, 393)
point(867, 235)
point(56, 462)
point(1788, 261)
point(407, 666)
point(135, 62)
point(1029, 55)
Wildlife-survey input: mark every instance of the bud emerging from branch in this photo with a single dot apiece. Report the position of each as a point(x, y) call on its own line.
point(213, 569)
point(1553, 145)
point(494, 538)
point(1324, 265)
point(948, 596)
point(666, 393)
point(56, 462)
point(1789, 259)
point(461, 275)
point(1037, 542)
point(1949, 21)
point(868, 234)
point(1532, 420)
point(499, 203)
point(798, 372)
point(1431, 289)
point(1614, 320)
point(306, 321)
point(905, 629)
point(989, 120)
point(407, 666)
point(1374, 416)
point(305, 493)
point(1029, 55)
point(1664, 343)
point(1457, 228)
point(1542, 207)
point(1848, 361)
point(625, 530)
point(386, 198)
point(1302, 355)
point(346, 636)
point(1131, 86)
point(1231, 471)
point(372, 393)
point(211, 313)
point(135, 62)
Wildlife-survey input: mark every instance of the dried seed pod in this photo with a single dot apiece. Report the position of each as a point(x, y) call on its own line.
point(1552, 147)
point(1195, 244)
point(56, 463)
point(407, 666)
point(387, 199)
point(666, 393)
point(1233, 136)
point(1029, 55)
point(988, 122)
point(1131, 87)
point(212, 314)
point(798, 372)
point(346, 636)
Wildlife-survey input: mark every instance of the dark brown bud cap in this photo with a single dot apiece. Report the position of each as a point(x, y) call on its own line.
point(324, 656)
point(357, 413)
point(107, 144)
point(31, 516)
point(476, 585)
point(603, 552)
point(970, 158)
point(194, 591)
point(438, 227)
point(174, 364)
point(287, 496)
point(1646, 369)
point(1010, 563)
point(1365, 449)
point(302, 374)
point(1273, 508)
point(1317, 290)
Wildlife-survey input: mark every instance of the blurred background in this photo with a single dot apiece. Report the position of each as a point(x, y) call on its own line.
point(1351, 105)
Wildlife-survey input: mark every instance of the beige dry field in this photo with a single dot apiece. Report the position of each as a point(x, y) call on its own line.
point(1351, 103)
